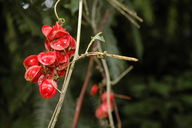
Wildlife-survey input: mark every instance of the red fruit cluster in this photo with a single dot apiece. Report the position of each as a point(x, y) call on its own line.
point(47, 67)
point(102, 110)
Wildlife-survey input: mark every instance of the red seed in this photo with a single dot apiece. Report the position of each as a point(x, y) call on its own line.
point(47, 58)
point(47, 88)
point(46, 29)
point(33, 73)
point(61, 43)
point(31, 61)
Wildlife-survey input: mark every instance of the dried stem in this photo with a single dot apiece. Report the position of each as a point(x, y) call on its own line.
point(121, 75)
point(126, 12)
point(104, 54)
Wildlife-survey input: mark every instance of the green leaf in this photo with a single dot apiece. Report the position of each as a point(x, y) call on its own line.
point(98, 37)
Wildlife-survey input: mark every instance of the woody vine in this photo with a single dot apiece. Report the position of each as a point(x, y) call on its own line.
point(61, 55)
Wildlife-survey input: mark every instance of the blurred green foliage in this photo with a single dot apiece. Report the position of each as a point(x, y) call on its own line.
point(160, 84)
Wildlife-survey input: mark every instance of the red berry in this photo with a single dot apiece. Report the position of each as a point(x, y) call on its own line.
point(102, 110)
point(104, 106)
point(47, 88)
point(61, 43)
point(30, 61)
point(100, 114)
point(46, 30)
point(33, 73)
point(94, 89)
point(104, 97)
point(47, 58)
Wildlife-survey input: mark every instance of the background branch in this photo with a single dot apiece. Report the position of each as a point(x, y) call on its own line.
point(82, 93)
point(88, 74)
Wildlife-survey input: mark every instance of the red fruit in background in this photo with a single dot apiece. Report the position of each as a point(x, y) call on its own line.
point(100, 113)
point(46, 29)
point(104, 97)
point(33, 73)
point(47, 88)
point(30, 61)
point(94, 89)
point(60, 44)
point(102, 110)
point(47, 58)
point(105, 108)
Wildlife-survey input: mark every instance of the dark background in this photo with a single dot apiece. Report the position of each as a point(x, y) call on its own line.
point(160, 83)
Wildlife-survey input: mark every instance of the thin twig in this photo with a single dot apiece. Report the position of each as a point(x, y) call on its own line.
point(104, 54)
point(93, 24)
point(57, 89)
point(126, 12)
point(126, 15)
point(55, 9)
point(123, 7)
point(122, 96)
point(91, 42)
point(82, 93)
point(86, 7)
point(114, 82)
point(119, 124)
